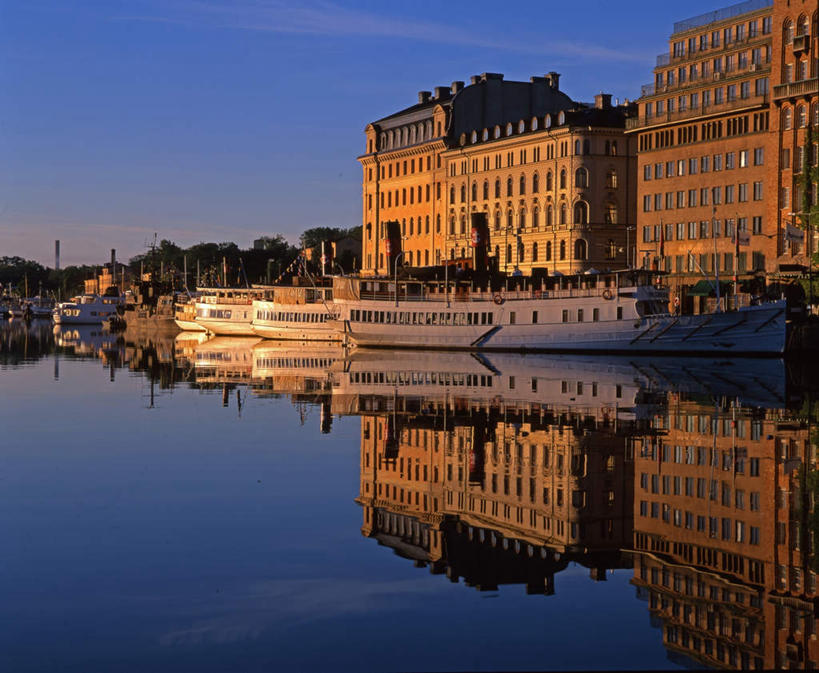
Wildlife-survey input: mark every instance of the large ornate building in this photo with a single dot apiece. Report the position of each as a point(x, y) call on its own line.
point(554, 177)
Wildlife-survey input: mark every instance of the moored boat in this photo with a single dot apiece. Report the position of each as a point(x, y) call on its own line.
point(296, 313)
point(615, 312)
point(87, 309)
point(228, 311)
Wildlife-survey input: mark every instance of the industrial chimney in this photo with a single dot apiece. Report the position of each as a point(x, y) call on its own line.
point(57, 255)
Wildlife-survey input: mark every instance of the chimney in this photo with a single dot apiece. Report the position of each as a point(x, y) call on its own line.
point(113, 258)
point(456, 87)
point(602, 101)
point(441, 92)
point(554, 80)
point(423, 96)
point(57, 255)
point(474, 79)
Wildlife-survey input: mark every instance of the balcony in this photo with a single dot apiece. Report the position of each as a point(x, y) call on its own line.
point(700, 111)
point(805, 87)
point(801, 43)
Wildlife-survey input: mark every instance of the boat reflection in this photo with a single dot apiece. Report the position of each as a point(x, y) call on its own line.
point(698, 477)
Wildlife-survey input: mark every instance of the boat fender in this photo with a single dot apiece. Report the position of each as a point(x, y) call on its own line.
point(607, 294)
point(498, 299)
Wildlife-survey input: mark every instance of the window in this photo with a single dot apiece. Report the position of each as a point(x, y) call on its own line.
point(581, 178)
point(581, 213)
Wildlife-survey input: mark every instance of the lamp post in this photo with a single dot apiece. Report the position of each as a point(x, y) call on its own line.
point(397, 257)
point(805, 217)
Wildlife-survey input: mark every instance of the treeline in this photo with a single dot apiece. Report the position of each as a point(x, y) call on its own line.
point(266, 259)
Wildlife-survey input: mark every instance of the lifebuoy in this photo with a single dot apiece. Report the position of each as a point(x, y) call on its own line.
point(607, 294)
point(498, 299)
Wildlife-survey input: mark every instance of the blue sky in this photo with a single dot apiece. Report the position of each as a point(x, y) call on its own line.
point(223, 120)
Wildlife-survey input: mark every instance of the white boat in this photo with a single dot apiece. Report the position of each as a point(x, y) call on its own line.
point(87, 309)
point(297, 313)
point(228, 311)
point(185, 315)
point(617, 312)
point(36, 308)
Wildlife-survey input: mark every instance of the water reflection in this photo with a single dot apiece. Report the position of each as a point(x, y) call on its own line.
point(700, 475)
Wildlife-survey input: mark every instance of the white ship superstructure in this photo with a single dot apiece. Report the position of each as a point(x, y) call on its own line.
point(87, 309)
point(228, 311)
point(297, 313)
point(613, 312)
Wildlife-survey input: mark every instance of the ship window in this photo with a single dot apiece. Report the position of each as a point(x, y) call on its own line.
point(595, 315)
point(565, 315)
point(489, 318)
point(580, 315)
point(619, 312)
point(512, 317)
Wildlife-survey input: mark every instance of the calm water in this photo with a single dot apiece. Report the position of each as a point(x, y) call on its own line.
point(234, 505)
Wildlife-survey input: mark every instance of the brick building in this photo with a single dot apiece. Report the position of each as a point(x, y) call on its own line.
point(795, 122)
point(705, 152)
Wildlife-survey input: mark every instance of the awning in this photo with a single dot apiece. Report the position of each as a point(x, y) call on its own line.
point(705, 288)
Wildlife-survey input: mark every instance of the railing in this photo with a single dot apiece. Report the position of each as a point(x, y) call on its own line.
point(647, 90)
point(663, 59)
point(801, 42)
point(666, 117)
point(804, 87)
point(721, 15)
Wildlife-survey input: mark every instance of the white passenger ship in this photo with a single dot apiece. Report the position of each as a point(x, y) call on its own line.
point(87, 309)
point(228, 311)
point(624, 311)
point(296, 313)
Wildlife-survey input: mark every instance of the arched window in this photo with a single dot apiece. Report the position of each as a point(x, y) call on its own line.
point(611, 179)
point(522, 184)
point(581, 212)
point(562, 178)
point(814, 115)
point(611, 213)
point(787, 31)
point(549, 221)
point(802, 26)
point(549, 181)
point(522, 219)
point(614, 148)
point(787, 119)
point(509, 186)
point(562, 250)
point(438, 224)
point(509, 253)
point(452, 194)
point(497, 188)
point(535, 217)
point(369, 230)
point(587, 146)
point(581, 178)
point(535, 183)
point(801, 117)
point(474, 191)
point(412, 226)
point(463, 193)
point(548, 251)
point(534, 252)
point(580, 249)
point(497, 220)
point(485, 190)
point(509, 129)
point(510, 219)
point(521, 126)
point(562, 213)
point(611, 249)
point(426, 257)
point(452, 225)
point(577, 146)
point(463, 224)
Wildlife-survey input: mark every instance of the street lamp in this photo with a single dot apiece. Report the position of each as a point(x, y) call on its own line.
point(809, 250)
point(397, 257)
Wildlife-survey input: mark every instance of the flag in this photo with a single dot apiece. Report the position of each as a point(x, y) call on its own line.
point(794, 234)
point(662, 240)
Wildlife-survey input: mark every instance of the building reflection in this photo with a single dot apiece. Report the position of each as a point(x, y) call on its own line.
point(700, 475)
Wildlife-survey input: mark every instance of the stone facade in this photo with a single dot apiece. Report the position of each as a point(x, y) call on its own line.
point(555, 177)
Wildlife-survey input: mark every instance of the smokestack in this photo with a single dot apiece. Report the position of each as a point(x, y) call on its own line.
point(57, 255)
point(113, 258)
